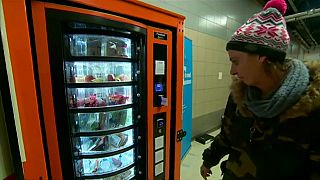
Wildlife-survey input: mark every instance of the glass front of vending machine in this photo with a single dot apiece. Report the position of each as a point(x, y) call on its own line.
point(97, 70)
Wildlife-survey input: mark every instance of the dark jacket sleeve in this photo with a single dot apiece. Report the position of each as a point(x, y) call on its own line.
point(315, 162)
point(220, 145)
point(314, 151)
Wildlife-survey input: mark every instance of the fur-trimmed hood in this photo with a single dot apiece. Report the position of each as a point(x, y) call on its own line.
point(308, 102)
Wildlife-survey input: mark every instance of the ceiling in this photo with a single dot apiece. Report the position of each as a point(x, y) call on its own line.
point(305, 29)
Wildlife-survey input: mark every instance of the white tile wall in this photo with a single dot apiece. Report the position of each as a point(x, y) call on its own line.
point(208, 60)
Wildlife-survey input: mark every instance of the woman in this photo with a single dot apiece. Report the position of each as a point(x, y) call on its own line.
point(271, 125)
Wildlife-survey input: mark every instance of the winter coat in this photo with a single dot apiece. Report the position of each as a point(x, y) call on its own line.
point(284, 147)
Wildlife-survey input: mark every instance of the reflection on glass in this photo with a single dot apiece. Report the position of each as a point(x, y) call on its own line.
point(99, 166)
point(103, 144)
point(88, 122)
point(129, 174)
point(99, 45)
point(99, 97)
point(97, 72)
point(81, 25)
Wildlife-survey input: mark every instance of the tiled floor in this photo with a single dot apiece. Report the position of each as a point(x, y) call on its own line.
point(190, 165)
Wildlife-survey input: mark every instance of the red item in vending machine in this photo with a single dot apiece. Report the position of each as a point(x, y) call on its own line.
point(89, 78)
point(118, 99)
point(72, 79)
point(91, 101)
point(80, 103)
point(111, 77)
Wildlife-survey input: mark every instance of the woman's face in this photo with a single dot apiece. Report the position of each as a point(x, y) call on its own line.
point(247, 67)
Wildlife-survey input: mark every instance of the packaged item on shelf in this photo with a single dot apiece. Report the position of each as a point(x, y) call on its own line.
point(112, 49)
point(89, 78)
point(116, 99)
point(104, 48)
point(80, 79)
point(118, 118)
point(94, 46)
point(101, 144)
point(91, 101)
point(91, 166)
point(118, 140)
point(117, 47)
point(122, 77)
point(98, 72)
point(78, 45)
point(103, 121)
point(121, 50)
point(85, 143)
point(117, 161)
point(96, 166)
point(88, 122)
point(111, 77)
point(118, 71)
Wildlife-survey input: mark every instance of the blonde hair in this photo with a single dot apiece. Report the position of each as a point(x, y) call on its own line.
point(275, 69)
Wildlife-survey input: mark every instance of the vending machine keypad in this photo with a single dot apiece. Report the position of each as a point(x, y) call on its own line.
point(159, 125)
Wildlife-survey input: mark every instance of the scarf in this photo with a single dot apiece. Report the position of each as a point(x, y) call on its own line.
point(290, 91)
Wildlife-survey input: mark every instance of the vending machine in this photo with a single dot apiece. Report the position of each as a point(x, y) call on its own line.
point(110, 77)
point(99, 94)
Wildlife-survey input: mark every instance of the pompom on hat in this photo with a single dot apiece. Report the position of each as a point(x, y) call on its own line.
point(265, 33)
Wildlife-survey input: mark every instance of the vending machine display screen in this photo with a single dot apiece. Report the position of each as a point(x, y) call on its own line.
point(158, 87)
point(160, 123)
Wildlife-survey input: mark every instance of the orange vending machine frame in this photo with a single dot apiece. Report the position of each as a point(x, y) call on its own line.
point(31, 68)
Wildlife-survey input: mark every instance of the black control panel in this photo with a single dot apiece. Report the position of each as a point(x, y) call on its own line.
point(160, 74)
point(159, 129)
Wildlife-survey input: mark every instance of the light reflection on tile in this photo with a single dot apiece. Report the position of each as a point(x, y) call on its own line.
point(190, 165)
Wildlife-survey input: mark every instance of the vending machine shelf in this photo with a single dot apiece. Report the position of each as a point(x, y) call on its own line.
point(105, 166)
point(126, 173)
point(103, 132)
point(97, 154)
point(99, 45)
point(99, 97)
point(100, 109)
point(98, 72)
point(99, 59)
point(101, 84)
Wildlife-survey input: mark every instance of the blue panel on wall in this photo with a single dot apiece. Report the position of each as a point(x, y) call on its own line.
point(187, 97)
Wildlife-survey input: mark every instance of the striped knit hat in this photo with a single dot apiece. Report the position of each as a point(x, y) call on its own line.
point(264, 33)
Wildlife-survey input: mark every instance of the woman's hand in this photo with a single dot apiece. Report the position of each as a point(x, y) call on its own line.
point(205, 172)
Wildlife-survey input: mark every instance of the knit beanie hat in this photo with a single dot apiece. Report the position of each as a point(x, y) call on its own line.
point(265, 33)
